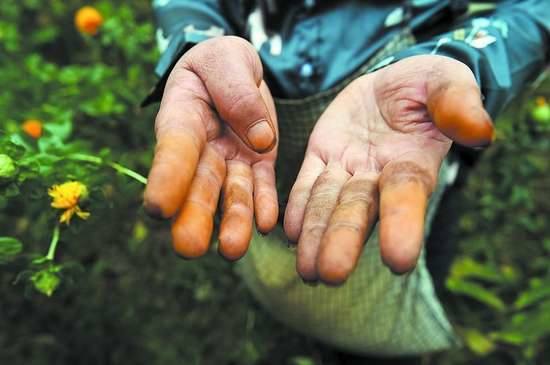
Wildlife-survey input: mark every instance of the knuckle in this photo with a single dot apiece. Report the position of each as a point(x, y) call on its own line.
point(242, 100)
point(213, 168)
point(407, 172)
point(339, 225)
point(237, 198)
point(313, 229)
point(210, 175)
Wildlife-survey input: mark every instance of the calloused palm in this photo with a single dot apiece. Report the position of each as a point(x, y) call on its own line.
point(375, 154)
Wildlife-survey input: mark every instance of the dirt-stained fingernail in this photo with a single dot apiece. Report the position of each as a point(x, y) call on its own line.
point(261, 136)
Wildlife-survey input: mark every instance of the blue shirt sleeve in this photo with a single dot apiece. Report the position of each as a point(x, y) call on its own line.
point(505, 47)
point(182, 24)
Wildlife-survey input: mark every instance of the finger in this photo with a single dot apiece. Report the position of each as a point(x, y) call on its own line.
point(404, 191)
point(182, 126)
point(270, 104)
point(236, 225)
point(192, 227)
point(266, 206)
point(232, 72)
point(310, 170)
point(174, 164)
point(321, 204)
point(348, 228)
point(455, 105)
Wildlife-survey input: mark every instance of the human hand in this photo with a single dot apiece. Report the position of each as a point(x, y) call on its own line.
point(216, 130)
point(375, 153)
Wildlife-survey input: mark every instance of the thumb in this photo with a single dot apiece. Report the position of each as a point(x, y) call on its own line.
point(232, 73)
point(454, 103)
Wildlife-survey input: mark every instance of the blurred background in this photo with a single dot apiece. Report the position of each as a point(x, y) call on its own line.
point(107, 288)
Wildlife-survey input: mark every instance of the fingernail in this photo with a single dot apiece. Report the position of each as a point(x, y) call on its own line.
point(261, 136)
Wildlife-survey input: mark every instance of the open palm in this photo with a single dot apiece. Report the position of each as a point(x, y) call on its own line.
point(375, 153)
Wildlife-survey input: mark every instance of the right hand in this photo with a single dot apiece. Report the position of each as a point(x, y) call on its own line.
point(216, 130)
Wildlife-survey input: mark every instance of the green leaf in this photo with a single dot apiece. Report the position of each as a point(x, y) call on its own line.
point(140, 231)
point(203, 292)
point(541, 114)
point(45, 35)
point(476, 291)
point(250, 353)
point(8, 170)
point(478, 342)
point(62, 130)
point(302, 360)
point(17, 140)
point(532, 295)
point(529, 326)
point(509, 337)
point(12, 149)
point(38, 164)
point(10, 190)
point(9, 248)
point(46, 281)
point(466, 267)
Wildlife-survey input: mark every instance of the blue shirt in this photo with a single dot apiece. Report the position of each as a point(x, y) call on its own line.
point(309, 46)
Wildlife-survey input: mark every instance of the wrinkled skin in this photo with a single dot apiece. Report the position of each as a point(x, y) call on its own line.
point(374, 154)
point(216, 130)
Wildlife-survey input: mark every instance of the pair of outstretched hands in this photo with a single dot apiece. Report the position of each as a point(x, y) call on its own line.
point(374, 154)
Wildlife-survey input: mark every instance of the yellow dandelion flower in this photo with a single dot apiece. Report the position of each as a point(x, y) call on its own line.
point(67, 196)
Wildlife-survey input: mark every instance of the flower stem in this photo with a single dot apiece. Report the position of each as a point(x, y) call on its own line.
point(53, 243)
point(118, 167)
point(128, 172)
point(86, 158)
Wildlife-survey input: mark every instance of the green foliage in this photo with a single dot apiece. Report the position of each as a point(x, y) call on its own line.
point(7, 167)
point(109, 290)
point(72, 95)
point(46, 280)
point(9, 247)
point(541, 112)
point(478, 343)
point(499, 285)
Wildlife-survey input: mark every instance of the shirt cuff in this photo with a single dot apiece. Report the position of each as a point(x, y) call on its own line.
point(177, 47)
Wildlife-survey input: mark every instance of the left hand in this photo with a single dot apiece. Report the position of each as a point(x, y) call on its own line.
point(376, 152)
